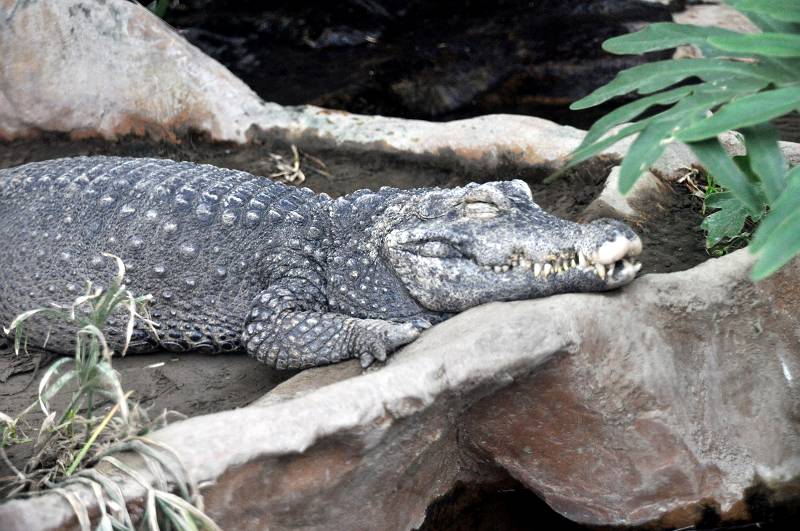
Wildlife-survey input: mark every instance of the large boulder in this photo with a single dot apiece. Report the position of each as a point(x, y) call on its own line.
point(130, 73)
point(112, 68)
point(668, 401)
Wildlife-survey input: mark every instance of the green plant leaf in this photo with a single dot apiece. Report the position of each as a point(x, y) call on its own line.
point(714, 93)
point(784, 10)
point(766, 158)
point(692, 99)
point(743, 112)
point(647, 147)
point(769, 44)
point(46, 391)
point(765, 22)
point(632, 110)
point(88, 444)
point(727, 222)
point(661, 74)
point(787, 204)
point(587, 152)
point(717, 162)
point(743, 163)
point(596, 148)
point(663, 36)
point(783, 244)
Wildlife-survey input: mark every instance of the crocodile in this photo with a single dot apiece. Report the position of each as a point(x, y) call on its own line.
point(235, 261)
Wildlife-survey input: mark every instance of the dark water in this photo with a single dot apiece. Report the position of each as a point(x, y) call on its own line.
point(421, 59)
point(428, 60)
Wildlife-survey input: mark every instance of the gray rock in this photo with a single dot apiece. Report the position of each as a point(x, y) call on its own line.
point(53, 82)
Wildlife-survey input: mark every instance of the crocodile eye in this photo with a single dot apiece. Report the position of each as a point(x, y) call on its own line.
point(438, 249)
point(479, 209)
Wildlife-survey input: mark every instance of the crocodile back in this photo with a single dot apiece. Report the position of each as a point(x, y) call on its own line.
point(202, 240)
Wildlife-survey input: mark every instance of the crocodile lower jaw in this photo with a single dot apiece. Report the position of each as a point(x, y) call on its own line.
point(555, 265)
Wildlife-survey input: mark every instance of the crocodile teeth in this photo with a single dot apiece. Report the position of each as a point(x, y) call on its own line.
point(504, 268)
point(572, 263)
point(497, 269)
point(547, 269)
point(601, 270)
point(524, 262)
point(537, 269)
point(610, 270)
point(582, 259)
point(630, 264)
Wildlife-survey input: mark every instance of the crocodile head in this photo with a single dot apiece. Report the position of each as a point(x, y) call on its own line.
point(457, 248)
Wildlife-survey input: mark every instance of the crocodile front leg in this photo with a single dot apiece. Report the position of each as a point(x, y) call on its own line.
point(288, 327)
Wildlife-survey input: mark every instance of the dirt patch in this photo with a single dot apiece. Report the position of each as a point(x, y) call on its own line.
point(193, 384)
point(671, 234)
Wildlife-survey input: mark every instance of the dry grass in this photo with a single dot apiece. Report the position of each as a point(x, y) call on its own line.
point(99, 421)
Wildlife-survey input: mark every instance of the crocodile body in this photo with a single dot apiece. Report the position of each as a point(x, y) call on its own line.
point(234, 261)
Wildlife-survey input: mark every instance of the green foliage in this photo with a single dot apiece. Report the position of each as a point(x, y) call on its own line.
point(67, 441)
point(781, 10)
point(742, 82)
point(727, 222)
point(90, 368)
point(729, 226)
point(774, 45)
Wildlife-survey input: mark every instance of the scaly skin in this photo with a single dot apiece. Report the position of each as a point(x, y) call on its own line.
point(297, 279)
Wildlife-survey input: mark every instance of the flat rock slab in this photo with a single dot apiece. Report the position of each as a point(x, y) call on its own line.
point(653, 405)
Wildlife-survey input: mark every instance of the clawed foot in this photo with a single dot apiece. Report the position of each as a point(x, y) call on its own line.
point(382, 337)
